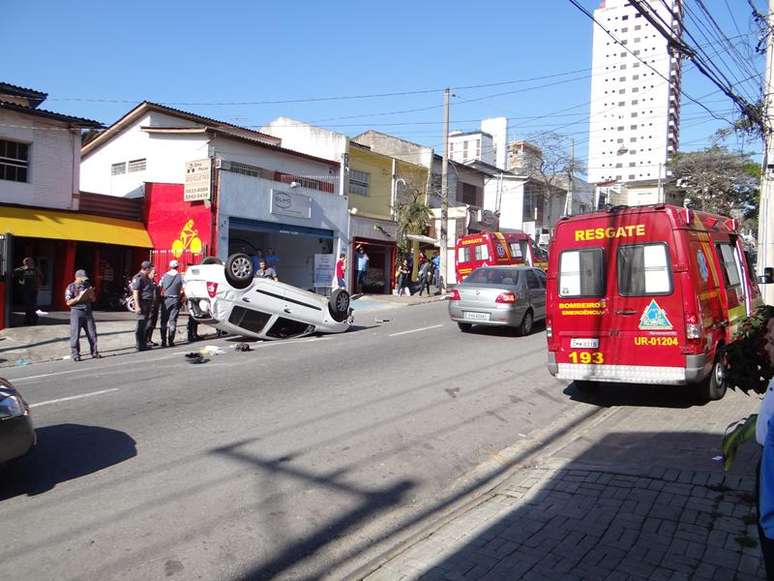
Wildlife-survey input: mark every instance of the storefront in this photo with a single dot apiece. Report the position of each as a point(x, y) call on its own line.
point(379, 240)
point(109, 249)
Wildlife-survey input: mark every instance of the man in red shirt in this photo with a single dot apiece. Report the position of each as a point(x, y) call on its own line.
point(341, 267)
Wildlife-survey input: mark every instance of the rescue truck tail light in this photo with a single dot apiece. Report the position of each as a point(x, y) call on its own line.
point(692, 327)
point(455, 295)
point(212, 289)
point(506, 298)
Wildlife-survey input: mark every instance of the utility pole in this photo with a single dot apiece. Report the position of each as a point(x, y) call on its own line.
point(766, 210)
point(444, 241)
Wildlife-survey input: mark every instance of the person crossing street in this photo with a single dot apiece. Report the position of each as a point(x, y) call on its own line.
point(79, 296)
point(171, 293)
point(142, 290)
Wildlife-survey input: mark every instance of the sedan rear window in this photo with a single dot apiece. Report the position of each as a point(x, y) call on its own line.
point(582, 273)
point(493, 276)
point(644, 270)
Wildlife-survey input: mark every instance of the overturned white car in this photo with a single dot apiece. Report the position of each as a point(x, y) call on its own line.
point(230, 298)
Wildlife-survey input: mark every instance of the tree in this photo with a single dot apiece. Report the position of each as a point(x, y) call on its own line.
point(717, 180)
point(411, 212)
point(552, 166)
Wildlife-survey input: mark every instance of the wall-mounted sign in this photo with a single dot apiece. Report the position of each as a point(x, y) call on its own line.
point(291, 204)
point(198, 180)
point(324, 265)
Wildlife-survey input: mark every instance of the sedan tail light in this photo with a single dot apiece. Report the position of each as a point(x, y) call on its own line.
point(212, 289)
point(507, 298)
point(455, 295)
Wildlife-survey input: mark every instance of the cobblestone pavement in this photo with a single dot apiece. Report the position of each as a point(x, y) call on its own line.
point(585, 522)
point(636, 497)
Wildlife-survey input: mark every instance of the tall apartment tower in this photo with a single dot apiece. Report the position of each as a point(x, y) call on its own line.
point(635, 113)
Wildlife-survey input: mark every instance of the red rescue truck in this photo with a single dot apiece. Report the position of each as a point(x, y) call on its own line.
point(496, 248)
point(646, 295)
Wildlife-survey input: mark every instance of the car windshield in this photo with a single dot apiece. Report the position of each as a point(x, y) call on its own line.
point(504, 276)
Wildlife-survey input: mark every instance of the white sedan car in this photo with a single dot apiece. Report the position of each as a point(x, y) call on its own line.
point(231, 299)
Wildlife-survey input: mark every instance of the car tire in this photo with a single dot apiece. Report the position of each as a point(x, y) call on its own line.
point(465, 327)
point(338, 305)
point(212, 260)
point(715, 386)
point(239, 270)
point(526, 324)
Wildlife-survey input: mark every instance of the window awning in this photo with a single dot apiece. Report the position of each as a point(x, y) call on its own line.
point(60, 225)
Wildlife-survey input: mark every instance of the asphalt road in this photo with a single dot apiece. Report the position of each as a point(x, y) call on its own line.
point(299, 459)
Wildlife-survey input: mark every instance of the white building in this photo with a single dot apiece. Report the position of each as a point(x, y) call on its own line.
point(265, 196)
point(471, 146)
point(635, 112)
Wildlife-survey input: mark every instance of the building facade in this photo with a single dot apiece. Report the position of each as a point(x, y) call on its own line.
point(635, 111)
point(258, 197)
point(45, 215)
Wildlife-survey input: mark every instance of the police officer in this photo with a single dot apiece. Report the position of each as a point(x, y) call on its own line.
point(142, 291)
point(79, 296)
point(30, 278)
point(171, 292)
point(155, 308)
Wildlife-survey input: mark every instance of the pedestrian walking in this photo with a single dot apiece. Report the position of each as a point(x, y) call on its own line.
point(361, 268)
point(341, 270)
point(31, 279)
point(79, 296)
point(155, 309)
point(142, 290)
point(265, 271)
point(424, 277)
point(437, 271)
point(171, 296)
point(404, 277)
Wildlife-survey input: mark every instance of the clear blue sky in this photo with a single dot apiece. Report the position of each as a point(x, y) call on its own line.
point(98, 59)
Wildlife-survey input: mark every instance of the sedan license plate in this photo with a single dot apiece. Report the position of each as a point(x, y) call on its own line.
point(587, 343)
point(476, 316)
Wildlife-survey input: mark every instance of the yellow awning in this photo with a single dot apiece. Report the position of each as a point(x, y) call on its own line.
point(36, 223)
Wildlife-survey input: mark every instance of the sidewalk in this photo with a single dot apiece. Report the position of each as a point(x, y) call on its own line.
point(635, 496)
point(50, 339)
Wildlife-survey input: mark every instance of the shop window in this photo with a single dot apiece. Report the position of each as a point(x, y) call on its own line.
point(582, 273)
point(14, 161)
point(136, 165)
point(358, 182)
point(644, 270)
point(118, 169)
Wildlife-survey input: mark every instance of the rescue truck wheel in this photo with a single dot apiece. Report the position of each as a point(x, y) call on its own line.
point(239, 270)
point(465, 327)
point(714, 387)
point(526, 324)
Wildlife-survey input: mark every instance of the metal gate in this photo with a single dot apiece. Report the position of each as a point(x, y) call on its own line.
point(162, 257)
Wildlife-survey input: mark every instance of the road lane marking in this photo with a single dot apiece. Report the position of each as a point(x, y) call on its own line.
point(174, 355)
point(415, 330)
point(72, 397)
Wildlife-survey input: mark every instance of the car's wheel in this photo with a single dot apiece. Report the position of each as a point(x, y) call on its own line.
point(212, 260)
point(526, 324)
point(338, 304)
point(465, 327)
point(239, 270)
point(715, 386)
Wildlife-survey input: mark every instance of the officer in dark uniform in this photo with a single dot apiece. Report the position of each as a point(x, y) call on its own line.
point(155, 308)
point(30, 278)
point(79, 296)
point(142, 290)
point(172, 293)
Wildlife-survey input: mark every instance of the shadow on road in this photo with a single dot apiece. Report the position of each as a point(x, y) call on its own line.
point(628, 507)
point(635, 395)
point(65, 452)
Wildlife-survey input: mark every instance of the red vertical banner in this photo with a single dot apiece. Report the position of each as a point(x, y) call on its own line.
point(181, 229)
point(64, 272)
